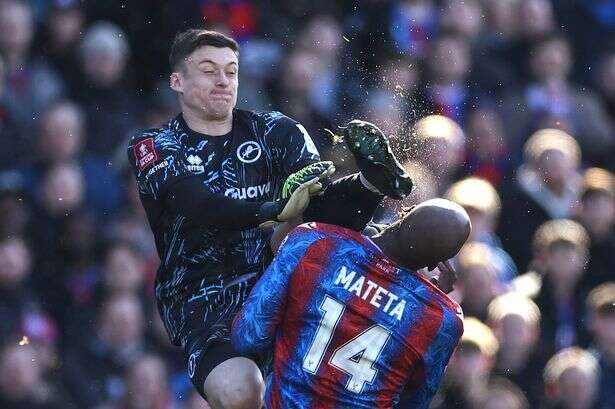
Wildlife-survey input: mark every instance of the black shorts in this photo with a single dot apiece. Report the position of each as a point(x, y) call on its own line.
point(208, 315)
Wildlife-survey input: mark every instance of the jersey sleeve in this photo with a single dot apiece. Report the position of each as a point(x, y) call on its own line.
point(293, 147)
point(255, 326)
point(156, 160)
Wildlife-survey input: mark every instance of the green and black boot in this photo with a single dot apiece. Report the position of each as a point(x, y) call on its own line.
point(376, 160)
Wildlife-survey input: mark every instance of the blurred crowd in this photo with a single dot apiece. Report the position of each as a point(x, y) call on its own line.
point(504, 106)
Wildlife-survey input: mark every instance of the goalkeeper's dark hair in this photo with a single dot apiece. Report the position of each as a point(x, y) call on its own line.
point(187, 41)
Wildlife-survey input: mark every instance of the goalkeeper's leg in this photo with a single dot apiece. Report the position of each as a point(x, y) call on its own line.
point(345, 202)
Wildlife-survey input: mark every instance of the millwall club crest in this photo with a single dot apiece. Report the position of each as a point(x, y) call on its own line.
point(249, 152)
point(145, 154)
point(195, 163)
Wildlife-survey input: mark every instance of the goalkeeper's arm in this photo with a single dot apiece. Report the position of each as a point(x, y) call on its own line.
point(189, 198)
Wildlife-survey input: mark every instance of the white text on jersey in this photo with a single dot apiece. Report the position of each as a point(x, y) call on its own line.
point(248, 192)
point(356, 284)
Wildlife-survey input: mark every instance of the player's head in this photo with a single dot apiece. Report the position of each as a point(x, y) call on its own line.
point(205, 70)
point(431, 232)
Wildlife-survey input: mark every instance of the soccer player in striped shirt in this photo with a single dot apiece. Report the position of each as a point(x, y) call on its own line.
point(350, 320)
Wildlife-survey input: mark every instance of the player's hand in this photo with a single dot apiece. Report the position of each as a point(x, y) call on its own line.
point(318, 170)
point(447, 278)
point(290, 208)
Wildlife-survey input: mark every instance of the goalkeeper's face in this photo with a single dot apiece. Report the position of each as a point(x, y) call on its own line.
point(207, 82)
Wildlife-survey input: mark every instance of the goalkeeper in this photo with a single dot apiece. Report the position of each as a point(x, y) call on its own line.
point(211, 180)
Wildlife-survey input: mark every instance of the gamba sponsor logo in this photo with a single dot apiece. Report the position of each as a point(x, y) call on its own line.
point(250, 192)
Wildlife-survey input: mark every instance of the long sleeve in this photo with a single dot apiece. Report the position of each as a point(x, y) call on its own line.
point(254, 328)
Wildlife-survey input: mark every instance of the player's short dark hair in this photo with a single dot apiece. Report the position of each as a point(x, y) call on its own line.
point(187, 41)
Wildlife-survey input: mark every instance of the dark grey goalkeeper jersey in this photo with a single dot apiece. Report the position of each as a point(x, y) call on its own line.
point(250, 163)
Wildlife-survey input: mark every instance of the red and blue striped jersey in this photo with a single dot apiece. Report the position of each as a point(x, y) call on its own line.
point(349, 328)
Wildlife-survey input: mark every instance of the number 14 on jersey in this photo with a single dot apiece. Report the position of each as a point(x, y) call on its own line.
point(355, 357)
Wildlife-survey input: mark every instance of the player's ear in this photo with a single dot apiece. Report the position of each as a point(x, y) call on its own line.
point(175, 81)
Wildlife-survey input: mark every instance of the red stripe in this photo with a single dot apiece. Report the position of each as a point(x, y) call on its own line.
point(358, 316)
point(419, 337)
point(304, 281)
point(341, 231)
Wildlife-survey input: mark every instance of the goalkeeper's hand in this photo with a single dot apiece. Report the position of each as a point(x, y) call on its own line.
point(296, 192)
point(319, 170)
point(283, 210)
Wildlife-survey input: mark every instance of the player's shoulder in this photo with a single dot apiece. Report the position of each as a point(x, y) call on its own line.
point(167, 133)
point(324, 230)
point(266, 120)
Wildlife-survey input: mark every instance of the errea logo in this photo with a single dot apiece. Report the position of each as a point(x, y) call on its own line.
point(195, 163)
point(249, 152)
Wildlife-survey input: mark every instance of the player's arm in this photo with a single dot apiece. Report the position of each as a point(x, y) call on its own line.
point(344, 202)
point(161, 174)
point(255, 326)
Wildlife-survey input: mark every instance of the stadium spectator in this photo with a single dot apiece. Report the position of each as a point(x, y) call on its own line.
point(60, 141)
point(551, 98)
point(96, 362)
point(546, 186)
point(487, 153)
point(15, 211)
point(601, 323)
point(15, 142)
point(439, 143)
point(535, 21)
point(59, 38)
point(478, 281)
point(515, 321)
point(21, 380)
point(463, 17)
point(467, 376)
point(123, 270)
point(492, 54)
point(146, 385)
point(571, 380)
point(19, 305)
point(323, 36)
point(412, 25)
point(298, 84)
point(30, 84)
point(446, 90)
point(561, 249)
point(482, 202)
point(503, 394)
point(605, 82)
point(502, 18)
point(597, 214)
point(61, 193)
point(112, 110)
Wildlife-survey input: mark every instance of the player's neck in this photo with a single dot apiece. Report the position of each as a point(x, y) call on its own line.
point(389, 247)
point(213, 127)
point(389, 243)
